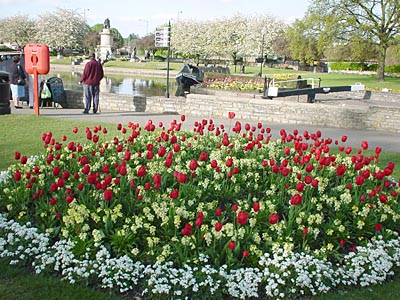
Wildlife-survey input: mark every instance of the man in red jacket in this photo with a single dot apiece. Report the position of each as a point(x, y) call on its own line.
point(92, 74)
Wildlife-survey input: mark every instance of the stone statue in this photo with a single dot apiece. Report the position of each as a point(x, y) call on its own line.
point(107, 23)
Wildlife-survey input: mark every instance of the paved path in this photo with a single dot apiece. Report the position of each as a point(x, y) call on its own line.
point(386, 140)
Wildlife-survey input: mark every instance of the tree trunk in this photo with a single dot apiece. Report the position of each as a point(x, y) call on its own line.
point(380, 74)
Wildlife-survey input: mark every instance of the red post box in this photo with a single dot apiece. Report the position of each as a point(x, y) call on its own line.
point(37, 57)
point(37, 61)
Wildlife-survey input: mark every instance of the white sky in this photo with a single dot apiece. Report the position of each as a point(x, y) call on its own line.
point(138, 16)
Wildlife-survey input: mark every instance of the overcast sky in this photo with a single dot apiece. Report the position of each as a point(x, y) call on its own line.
point(140, 17)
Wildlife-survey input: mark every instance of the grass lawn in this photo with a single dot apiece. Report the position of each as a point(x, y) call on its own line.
point(327, 79)
point(17, 283)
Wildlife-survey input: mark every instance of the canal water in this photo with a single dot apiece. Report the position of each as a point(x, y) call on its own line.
point(122, 84)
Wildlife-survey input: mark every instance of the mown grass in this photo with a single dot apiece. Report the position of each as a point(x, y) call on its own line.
point(23, 133)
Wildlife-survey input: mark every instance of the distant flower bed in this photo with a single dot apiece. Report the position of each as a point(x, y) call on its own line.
point(213, 213)
point(246, 84)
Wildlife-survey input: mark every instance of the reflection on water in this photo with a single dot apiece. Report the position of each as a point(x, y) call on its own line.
point(121, 84)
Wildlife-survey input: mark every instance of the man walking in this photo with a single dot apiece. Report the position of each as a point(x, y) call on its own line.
point(92, 74)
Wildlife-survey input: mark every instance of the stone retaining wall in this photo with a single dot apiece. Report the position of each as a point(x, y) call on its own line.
point(380, 112)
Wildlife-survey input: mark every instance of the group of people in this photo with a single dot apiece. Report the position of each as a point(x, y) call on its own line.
point(91, 77)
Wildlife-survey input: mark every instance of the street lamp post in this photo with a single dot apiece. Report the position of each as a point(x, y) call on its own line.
point(179, 12)
point(84, 13)
point(236, 53)
point(262, 56)
point(147, 25)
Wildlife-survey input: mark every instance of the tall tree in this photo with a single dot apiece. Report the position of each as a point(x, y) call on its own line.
point(303, 42)
point(374, 20)
point(63, 28)
point(242, 36)
point(19, 29)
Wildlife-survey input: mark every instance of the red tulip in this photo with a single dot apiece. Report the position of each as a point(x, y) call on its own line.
point(182, 178)
point(364, 145)
point(69, 199)
point(256, 206)
point(231, 115)
point(193, 165)
point(147, 186)
point(242, 217)
point(314, 182)
point(378, 227)
point(199, 222)
point(273, 218)
point(218, 212)
point(383, 198)
point(108, 195)
point(56, 171)
point(161, 151)
point(141, 171)
point(203, 156)
point(245, 253)
point(229, 162)
point(17, 155)
point(24, 160)
point(341, 170)
point(177, 147)
point(75, 129)
point(296, 199)
point(17, 176)
point(174, 194)
point(53, 201)
point(231, 245)
point(360, 180)
point(218, 226)
point(187, 230)
point(214, 164)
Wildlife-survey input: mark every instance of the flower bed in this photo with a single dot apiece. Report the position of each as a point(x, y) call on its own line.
point(217, 212)
point(247, 84)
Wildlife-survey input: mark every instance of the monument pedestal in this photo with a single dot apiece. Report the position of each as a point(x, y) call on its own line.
point(104, 49)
